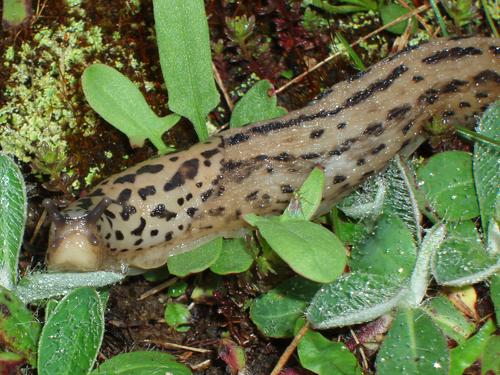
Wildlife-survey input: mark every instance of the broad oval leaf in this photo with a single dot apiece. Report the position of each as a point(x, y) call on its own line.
point(309, 249)
point(196, 260)
point(234, 257)
point(12, 219)
point(326, 357)
point(447, 182)
point(256, 105)
point(141, 363)
point(72, 336)
point(184, 47)
point(354, 298)
point(119, 102)
point(413, 346)
point(276, 312)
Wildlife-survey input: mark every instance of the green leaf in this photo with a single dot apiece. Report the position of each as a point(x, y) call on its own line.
point(390, 250)
point(413, 346)
point(462, 259)
point(366, 201)
point(184, 47)
point(309, 249)
point(72, 336)
point(447, 182)
point(120, 103)
point(308, 198)
point(354, 298)
point(355, 6)
point(276, 312)
point(15, 12)
point(39, 286)
point(486, 166)
point(469, 351)
point(495, 294)
point(449, 319)
point(18, 327)
point(12, 219)
point(141, 363)
point(353, 56)
point(491, 356)
point(196, 260)
point(325, 357)
point(421, 273)
point(390, 12)
point(234, 257)
point(177, 316)
point(259, 103)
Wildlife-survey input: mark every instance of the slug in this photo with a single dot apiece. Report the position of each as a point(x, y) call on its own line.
point(174, 203)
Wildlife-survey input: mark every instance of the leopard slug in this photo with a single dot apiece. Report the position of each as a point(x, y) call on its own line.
point(174, 203)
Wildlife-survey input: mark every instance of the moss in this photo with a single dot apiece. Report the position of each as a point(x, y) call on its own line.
point(42, 101)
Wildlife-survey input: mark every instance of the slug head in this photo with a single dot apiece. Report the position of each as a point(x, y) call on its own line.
point(73, 239)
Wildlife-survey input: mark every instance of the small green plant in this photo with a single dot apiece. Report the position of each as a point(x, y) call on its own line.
point(15, 12)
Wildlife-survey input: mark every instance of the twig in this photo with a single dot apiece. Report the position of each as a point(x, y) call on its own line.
point(157, 288)
point(361, 350)
point(222, 88)
point(418, 17)
point(171, 345)
point(289, 350)
point(418, 10)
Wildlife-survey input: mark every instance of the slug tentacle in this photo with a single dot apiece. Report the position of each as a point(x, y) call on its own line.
point(177, 202)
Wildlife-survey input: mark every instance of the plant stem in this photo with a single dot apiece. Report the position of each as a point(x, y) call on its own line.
point(476, 137)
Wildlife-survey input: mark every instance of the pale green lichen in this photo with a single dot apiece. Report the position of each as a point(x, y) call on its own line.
point(41, 102)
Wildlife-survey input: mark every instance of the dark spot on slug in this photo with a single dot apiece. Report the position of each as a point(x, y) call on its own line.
point(417, 79)
point(448, 113)
point(261, 157)
point(180, 201)
point(430, 96)
point(252, 196)
point(487, 75)
point(191, 211)
point(451, 53)
point(482, 95)
point(205, 195)
point(124, 196)
point(398, 113)
point(310, 155)
point(342, 125)
point(287, 189)
point(361, 162)
point(127, 210)
point(284, 156)
point(199, 184)
point(180, 227)
point(150, 168)
point(338, 179)
point(377, 149)
point(174, 158)
point(237, 138)
point(209, 153)
point(219, 211)
point(154, 232)
point(207, 163)
point(407, 127)
point(123, 179)
point(374, 129)
point(109, 214)
point(187, 171)
point(464, 105)
point(495, 50)
point(168, 236)
point(230, 165)
point(138, 242)
point(237, 213)
point(316, 133)
point(119, 235)
point(146, 191)
point(189, 196)
point(453, 86)
point(138, 231)
point(161, 212)
point(107, 236)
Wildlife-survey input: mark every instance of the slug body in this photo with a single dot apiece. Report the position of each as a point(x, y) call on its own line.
point(177, 202)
